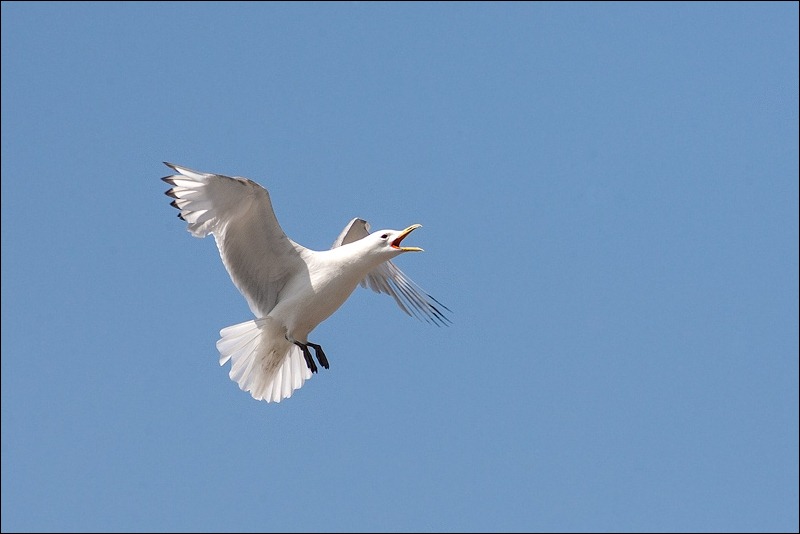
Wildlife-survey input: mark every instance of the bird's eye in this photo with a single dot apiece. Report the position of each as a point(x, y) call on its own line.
point(384, 236)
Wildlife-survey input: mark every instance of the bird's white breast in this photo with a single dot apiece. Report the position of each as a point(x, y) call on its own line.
point(312, 296)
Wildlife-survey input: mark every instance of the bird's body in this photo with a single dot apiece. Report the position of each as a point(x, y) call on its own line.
point(311, 295)
point(290, 289)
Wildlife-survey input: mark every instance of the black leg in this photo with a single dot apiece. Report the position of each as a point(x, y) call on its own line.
point(307, 355)
point(323, 361)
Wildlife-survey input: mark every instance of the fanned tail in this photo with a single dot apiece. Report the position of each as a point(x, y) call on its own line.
point(263, 361)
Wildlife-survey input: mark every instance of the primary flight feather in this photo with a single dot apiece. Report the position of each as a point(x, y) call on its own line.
point(290, 289)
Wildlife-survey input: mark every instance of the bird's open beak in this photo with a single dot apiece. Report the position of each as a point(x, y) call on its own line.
point(403, 234)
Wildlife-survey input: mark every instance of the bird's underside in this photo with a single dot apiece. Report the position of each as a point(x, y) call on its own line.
point(269, 356)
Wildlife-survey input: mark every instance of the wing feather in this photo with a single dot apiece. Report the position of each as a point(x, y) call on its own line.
point(238, 212)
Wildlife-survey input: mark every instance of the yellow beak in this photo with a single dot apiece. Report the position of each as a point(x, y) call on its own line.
point(403, 234)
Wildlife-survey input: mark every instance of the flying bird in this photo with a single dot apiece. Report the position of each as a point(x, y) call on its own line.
point(290, 288)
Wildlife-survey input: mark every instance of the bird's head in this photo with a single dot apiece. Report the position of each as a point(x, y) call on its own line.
point(390, 240)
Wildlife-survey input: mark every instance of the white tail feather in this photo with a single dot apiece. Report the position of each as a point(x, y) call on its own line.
point(263, 361)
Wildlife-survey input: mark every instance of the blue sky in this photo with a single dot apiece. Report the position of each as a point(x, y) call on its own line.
point(609, 194)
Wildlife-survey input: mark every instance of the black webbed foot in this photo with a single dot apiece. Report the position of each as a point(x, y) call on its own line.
point(307, 355)
point(323, 360)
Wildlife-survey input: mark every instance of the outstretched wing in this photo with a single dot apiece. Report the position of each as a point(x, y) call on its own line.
point(387, 278)
point(238, 213)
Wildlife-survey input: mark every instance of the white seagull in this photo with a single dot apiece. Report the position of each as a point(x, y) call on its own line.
point(289, 288)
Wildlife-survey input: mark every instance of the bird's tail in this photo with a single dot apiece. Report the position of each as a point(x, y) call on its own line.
point(263, 361)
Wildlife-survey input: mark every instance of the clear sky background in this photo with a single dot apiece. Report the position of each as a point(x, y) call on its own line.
point(609, 194)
